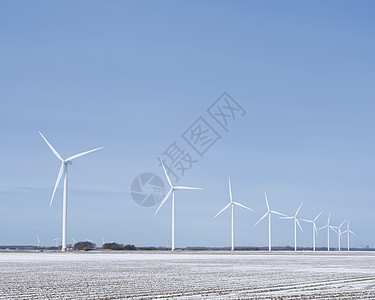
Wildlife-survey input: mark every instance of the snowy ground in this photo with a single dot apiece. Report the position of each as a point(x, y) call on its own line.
point(187, 275)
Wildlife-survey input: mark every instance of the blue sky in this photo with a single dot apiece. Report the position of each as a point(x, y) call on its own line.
point(133, 76)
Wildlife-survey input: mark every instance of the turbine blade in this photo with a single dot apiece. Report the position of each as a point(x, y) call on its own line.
point(239, 204)
point(230, 191)
point(299, 225)
point(318, 216)
point(50, 146)
point(310, 221)
point(322, 227)
point(329, 217)
point(223, 209)
point(352, 232)
point(342, 223)
point(286, 218)
point(57, 182)
point(83, 153)
point(298, 210)
point(316, 230)
point(333, 229)
point(186, 188)
point(166, 174)
point(165, 199)
point(265, 215)
point(268, 207)
point(277, 213)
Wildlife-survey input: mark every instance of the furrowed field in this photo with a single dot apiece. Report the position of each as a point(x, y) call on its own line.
point(187, 275)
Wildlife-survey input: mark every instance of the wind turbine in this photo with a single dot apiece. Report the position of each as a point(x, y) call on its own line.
point(232, 204)
point(295, 225)
point(103, 241)
point(268, 213)
point(348, 232)
point(339, 234)
point(328, 226)
point(56, 239)
point(315, 230)
point(172, 191)
point(74, 241)
point(37, 237)
point(64, 171)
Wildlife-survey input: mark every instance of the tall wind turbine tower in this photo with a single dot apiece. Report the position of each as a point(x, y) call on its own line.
point(232, 204)
point(172, 191)
point(328, 226)
point(339, 234)
point(295, 225)
point(314, 228)
point(348, 232)
point(64, 172)
point(268, 213)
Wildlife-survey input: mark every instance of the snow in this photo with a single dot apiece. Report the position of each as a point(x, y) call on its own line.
point(187, 275)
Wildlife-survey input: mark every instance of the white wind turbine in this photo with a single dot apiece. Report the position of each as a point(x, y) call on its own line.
point(314, 228)
point(56, 240)
point(296, 222)
point(339, 234)
point(268, 213)
point(172, 191)
point(64, 171)
point(37, 237)
point(348, 232)
point(232, 203)
point(328, 226)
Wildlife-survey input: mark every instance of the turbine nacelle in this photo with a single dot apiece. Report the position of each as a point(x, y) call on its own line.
point(269, 211)
point(64, 162)
point(231, 202)
point(173, 188)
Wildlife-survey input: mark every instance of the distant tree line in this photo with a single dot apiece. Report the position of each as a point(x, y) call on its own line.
point(116, 246)
point(85, 246)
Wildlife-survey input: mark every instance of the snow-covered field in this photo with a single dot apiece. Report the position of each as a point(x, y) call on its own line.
point(187, 275)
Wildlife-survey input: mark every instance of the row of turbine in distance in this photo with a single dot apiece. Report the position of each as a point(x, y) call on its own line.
point(63, 172)
point(268, 213)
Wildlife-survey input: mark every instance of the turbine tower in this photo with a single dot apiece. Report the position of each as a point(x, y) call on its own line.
point(295, 225)
point(328, 226)
point(56, 240)
point(314, 228)
point(339, 234)
point(232, 204)
point(172, 191)
point(348, 232)
point(37, 237)
point(64, 172)
point(268, 213)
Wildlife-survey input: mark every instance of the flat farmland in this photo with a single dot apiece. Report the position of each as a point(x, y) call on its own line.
point(187, 275)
